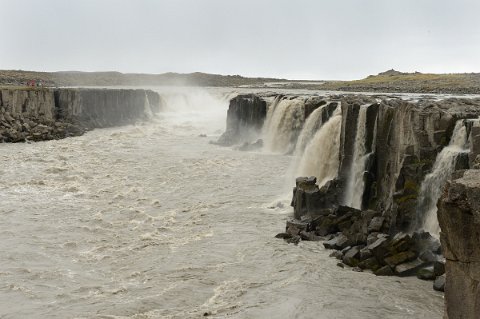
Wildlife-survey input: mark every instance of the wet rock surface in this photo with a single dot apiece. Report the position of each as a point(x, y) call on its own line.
point(347, 230)
point(245, 117)
point(47, 114)
point(459, 217)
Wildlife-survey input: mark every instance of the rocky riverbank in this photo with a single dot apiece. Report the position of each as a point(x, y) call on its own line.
point(362, 239)
point(37, 114)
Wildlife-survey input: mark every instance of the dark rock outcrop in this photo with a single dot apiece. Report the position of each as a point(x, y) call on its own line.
point(459, 217)
point(309, 199)
point(45, 114)
point(245, 117)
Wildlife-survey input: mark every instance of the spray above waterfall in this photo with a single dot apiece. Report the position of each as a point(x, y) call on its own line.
point(432, 186)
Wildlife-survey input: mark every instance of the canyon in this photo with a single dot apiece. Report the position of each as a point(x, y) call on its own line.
point(367, 171)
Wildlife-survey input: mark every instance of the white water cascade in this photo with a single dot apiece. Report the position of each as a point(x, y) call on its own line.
point(284, 118)
point(146, 108)
point(321, 156)
point(432, 186)
point(312, 124)
point(355, 182)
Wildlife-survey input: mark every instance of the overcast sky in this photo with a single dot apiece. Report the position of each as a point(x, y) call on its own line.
point(298, 39)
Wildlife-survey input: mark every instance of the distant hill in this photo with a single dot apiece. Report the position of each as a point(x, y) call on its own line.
point(389, 81)
point(395, 81)
point(76, 78)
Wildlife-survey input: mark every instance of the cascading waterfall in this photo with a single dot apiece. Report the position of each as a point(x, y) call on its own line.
point(147, 109)
point(432, 186)
point(284, 119)
point(355, 181)
point(312, 124)
point(321, 156)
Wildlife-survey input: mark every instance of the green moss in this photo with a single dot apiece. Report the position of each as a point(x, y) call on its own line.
point(411, 186)
point(406, 198)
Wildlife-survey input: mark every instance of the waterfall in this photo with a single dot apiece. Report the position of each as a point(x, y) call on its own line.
point(355, 181)
point(432, 186)
point(312, 124)
point(321, 156)
point(284, 119)
point(147, 109)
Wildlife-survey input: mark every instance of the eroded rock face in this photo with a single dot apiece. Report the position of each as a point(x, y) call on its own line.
point(45, 114)
point(403, 139)
point(245, 117)
point(309, 199)
point(459, 217)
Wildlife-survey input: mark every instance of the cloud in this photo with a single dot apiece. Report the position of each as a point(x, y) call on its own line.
point(341, 39)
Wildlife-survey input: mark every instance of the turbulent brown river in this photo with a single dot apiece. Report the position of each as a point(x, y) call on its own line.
point(152, 221)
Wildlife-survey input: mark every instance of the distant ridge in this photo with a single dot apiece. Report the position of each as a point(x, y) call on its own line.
point(113, 78)
point(416, 82)
point(390, 81)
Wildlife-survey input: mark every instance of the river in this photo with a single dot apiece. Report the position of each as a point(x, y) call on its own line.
point(152, 221)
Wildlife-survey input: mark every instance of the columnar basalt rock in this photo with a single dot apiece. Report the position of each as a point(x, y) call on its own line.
point(45, 114)
point(245, 117)
point(403, 139)
point(459, 217)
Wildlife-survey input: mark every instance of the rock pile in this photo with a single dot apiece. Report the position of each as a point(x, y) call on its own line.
point(245, 117)
point(16, 128)
point(360, 239)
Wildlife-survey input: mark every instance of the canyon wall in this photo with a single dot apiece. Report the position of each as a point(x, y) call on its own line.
point(245, 117)
point(459, 216)
point(44, 114)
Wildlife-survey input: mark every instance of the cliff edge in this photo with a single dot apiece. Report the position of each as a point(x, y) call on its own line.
point(36, 114)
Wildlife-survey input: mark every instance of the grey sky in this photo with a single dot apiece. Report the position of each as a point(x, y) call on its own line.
point(316, 39)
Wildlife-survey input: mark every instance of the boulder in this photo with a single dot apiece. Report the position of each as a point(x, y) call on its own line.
point(365, 253)
point(379, 248)
point(294, 227)
point(376, 224)
point(439, 283)
point(426, 273)
point(283, 235)
point(400, 258)
point(384, 271)
point(338, 242)
point(351, 257)
point(428, 256)
point(438, 268)
point(369, 263)
point(410, 268)
point(401, 242)
point(309, 199)
point(336, 254)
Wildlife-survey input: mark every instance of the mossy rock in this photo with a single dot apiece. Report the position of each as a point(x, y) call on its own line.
point(404, 199)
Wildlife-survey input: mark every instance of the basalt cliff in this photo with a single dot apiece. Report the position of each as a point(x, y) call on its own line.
point(370, 171)
point(44, 114)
